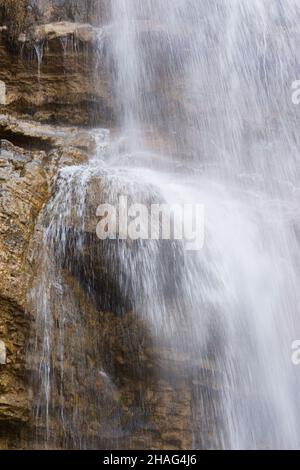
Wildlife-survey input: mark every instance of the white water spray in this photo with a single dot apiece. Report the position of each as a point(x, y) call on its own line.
point(203, 97)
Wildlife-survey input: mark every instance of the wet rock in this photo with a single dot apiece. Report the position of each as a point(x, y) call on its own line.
point(61, 68)
point(137, 405)
point(23, 190)
point(25, 185)
point(2, 93)
point(75, 10)
point(118, 388)
point(49, 32)
point(53, 80)
point(2, 352)
point(33, 134)
point(13, 15)
point(83, 32)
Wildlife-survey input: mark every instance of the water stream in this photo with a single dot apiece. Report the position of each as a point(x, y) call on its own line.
point(205, 116)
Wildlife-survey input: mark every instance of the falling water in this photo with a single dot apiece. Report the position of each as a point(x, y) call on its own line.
point(202, 93)
point(39, 52)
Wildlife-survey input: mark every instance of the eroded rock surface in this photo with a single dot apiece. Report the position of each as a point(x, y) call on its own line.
point(120, 388)
point(48, 72)
point(52, 82)
point(33, 134)
point(25, 185)
point(24, 188)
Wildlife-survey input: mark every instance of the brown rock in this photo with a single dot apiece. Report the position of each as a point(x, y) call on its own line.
point(48, 32)
point(54, 79)
point(34, 134)
point(25, 180)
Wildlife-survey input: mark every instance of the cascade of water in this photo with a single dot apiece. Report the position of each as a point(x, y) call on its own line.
point(39, 51)
point(203, 93)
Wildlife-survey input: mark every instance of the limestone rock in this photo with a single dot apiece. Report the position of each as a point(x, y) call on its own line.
point(53, 80)
point(25, 185)
point(32, 133)
point(23, 190)
point(2, 352)
point(48, 59)
point(2, 93)
point(51, 31)
point(76, 10)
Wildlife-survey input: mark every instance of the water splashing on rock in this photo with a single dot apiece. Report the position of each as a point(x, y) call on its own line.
point(202, 93)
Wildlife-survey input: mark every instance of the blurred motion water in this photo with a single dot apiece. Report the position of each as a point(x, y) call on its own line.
point(205, 116)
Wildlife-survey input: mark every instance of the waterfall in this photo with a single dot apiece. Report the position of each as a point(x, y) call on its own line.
point(202, 92)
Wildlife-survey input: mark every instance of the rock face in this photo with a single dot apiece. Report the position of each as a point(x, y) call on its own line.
point(48, 70)
point(33, 134)
point(2, 353)
point(22, 14)
point(25, 186)
point(85, 33)
point(46, 75)
point(140, 393)
point(115, 384)
point(71, 10)
point(123, 369)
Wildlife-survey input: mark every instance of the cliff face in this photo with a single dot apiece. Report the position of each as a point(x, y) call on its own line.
point(84, 11)
point(51, 73)
point(49, 76)
point(59, 88)
point(21, 14)
point(25, 186)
